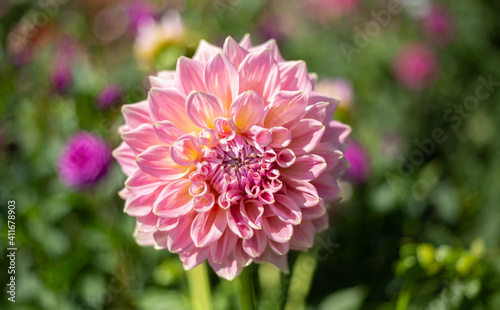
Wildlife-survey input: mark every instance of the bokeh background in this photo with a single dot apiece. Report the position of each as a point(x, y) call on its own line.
point(419, 224)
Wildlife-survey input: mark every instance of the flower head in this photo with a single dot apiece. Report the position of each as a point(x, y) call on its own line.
point(84, 160)
point(109, 96)
point(415, 66)
point(232, 158)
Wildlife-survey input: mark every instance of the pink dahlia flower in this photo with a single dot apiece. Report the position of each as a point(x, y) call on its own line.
point(232, 158)
point(415, 66)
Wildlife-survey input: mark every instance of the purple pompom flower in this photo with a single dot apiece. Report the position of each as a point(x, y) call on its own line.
point(84, 160)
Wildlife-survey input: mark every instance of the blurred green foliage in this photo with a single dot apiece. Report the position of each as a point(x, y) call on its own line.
point(424, 238)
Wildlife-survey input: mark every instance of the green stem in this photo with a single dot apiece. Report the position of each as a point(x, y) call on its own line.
point(199, 288)
point(300, 281)
point(244, 284)
point(403, 298)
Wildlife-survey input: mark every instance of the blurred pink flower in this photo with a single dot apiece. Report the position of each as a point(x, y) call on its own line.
point(66, 51)
point(84, 160)
point(337, 88)
point(326, 10)
point(415, 66)
point(359, 162)
point(438, 24)
point(138, 13)
point(232, 158)
point(109, 96)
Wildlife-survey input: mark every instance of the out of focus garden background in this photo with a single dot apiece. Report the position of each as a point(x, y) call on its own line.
point(419, 224)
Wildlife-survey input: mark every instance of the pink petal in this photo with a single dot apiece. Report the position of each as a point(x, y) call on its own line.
point(167, 224)
point(147, 223)
point(208, 137)
point(178, 239)
point(203, 109)
point(247, 110)
point(126, 158)
point(141, 138)
point(136, 114)
point(256, 245)
point(336, 133)
point(306, 134)
point(143, 238)
point(272, 46)
point(317, 97)
point(286, 109)
point(205, 51)
point(280, 137)
point(237, 224)
point(303, 236)
point(286, 209)
point(141, 183)
point(140, 205)
point(334, 158)
point(306, 168)
point(194, 258)
point(190, 75)
point(280, 261)
point(321, 223)
point(294, 76)
point(314, 212)
point(234, 52)
point(185, 151)
point(164, 79)
point(259, 72)
point(221, 249)
point(327, 187)
point(285, 158)
point(167, 132)
point(208, 227)
point(279, 248)
point(245, 42)
point(261, 136)
point(277, 230)
point(170, 105)
point(317, 111)
point(221, 79)
point(157, 162)
point(174, 200)
point(240, 255)
point(228, 269)
point(302, 192)
point(251, 212)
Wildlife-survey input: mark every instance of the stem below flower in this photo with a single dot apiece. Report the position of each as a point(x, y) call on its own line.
point(199, 288)
point(244, 284)
point(300, 281)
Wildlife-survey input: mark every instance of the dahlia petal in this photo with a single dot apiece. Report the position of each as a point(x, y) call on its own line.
point(143, 238)
point(294, 76)
point(141, 138)
point(302, 192)
point(174, 200)
point(140, 205)
point(327, 187)
point(136, 114)
point(194, 258)
point(306, 168)
point(280, 137)
point(261, 136)
point(234, 52)
point(286, 209)
point(285, 158)
point(204, 203)
point(280, 261)
point(124, 193)
point(303, 236)
point(185, 150)
point(208, 137)
point(228, 269)
point(208, 227)
point(255, 245)
point(205, 51)
point(190, 75)
point(126, 158)
point(147, 223)
point(169, 104)
point(221, 79)
point(317, 111)
point(164, 79)
point(245, 42)
point(177, 240)
point(237, 224)
point(270, 45)
point(317, 97)
point(167, 223)
point(286, 109)
point(321, 223)
point(247, 110)
point(334, 158)
point(336, 133)
point(314, 212)
point(240, 255)
point(259, 72)
point(279, 248)
point(306, 134)
point(157, 162)
point(203, 109)
point(223, 247)
point(141, 183)
point(251, 212)
point(277, 230)
point(166, 132)
point(225, 128)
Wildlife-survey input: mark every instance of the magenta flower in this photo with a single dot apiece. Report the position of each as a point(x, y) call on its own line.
point(232, 158)
point(359, 163)
point(84, 160)
point(415, 66)
point(438, 24)
point(109, 96)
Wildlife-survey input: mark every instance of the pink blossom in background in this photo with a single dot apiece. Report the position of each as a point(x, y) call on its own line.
point(84, 160)
point(324, 11)
point(109, 96)
point(415, 66)
point(359, 161)
point(65, 53)
point(438, 24)
point(337, 88)
point(232, 158)
point(138, 13)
